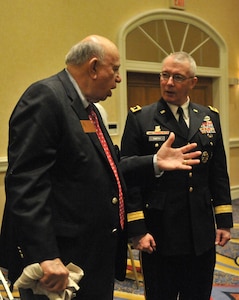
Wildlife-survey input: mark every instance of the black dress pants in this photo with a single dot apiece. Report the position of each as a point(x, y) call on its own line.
point(27, 294)
point(188, 277)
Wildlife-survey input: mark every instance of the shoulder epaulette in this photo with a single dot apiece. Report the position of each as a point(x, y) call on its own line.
point(135, 108)
point(214, 109)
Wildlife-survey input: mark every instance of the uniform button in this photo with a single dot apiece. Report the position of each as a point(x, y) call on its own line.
point(211, 143)
point(147, 205)
point(156, 145)
point(114, 200)
point(190, 189)
point(20, 251)
point(190, 174)
point(114, 230)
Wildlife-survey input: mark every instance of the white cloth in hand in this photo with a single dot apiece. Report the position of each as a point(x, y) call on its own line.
point(30, 276)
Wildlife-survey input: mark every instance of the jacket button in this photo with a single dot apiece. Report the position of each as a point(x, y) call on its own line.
point(190, 174)
point(114, 200)
point(190, 189)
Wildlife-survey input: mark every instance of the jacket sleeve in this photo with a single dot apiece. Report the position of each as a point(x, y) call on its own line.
point(136, 176)
point(219, 181)
point(33, 138)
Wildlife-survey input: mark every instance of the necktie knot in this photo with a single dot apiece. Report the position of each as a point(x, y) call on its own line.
point(89, 109)
point(180, 111)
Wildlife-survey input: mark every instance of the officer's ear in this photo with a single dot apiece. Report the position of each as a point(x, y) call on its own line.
point(194, 81)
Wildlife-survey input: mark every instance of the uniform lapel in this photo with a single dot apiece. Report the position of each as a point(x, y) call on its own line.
point(196, 118)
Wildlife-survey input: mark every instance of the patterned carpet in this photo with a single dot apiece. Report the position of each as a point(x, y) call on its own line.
point(226, 275)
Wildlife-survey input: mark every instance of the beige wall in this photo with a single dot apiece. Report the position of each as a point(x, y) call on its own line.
point(36, 34)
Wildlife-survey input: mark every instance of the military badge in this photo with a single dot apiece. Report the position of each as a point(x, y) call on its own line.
point(204, 157)
point(207, 127)
point(157, 135)
point(207, 118)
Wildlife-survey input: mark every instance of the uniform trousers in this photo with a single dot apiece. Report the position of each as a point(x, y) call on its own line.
point(183, 277)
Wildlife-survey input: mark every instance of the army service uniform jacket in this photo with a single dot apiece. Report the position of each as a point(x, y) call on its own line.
point(179, 208)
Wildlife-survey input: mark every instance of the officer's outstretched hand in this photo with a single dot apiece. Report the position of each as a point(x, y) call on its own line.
point(169, 158)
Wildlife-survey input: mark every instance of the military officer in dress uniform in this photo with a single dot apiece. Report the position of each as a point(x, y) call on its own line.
point(177, 217)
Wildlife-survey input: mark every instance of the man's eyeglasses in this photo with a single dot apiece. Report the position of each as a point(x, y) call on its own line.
point(176, 77)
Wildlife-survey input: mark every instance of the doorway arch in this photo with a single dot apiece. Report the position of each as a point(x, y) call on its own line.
point(140, 25)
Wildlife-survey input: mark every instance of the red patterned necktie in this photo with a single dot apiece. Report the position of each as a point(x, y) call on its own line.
point(94, 119)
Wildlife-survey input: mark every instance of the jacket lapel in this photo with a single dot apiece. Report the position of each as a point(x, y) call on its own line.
point(196, 118)
point(77, 106)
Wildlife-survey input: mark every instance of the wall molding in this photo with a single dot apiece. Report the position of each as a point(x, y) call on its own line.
point(233, 143)
point(3, 164)
point(235, 192)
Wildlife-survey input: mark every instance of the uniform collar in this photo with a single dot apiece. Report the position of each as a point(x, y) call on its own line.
point(174, 109)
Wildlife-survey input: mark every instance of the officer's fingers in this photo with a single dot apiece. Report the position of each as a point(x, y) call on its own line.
point(191, 162)
point(188, 147)
point(170, 140)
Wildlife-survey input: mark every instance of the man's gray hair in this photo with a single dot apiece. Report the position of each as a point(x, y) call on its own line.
point(84, 51)
point(182, 56)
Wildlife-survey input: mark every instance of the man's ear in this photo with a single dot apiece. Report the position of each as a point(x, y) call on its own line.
point(195, 80)
point(93, 67)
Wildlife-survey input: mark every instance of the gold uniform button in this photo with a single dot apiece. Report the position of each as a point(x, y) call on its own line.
point(114, 200)
point(156, 145)
point(190, 174)
point(190, 189)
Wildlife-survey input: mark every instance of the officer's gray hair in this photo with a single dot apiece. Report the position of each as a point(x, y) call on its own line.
point(84, 51)
point(182, 57)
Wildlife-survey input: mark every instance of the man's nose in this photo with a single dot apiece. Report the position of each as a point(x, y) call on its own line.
point(170, 80)
point(118, 78)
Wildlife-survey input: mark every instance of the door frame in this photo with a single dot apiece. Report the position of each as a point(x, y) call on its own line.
point(219, 75)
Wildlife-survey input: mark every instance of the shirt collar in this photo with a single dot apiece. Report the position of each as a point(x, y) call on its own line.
point(174, 109)
point(77, 88)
